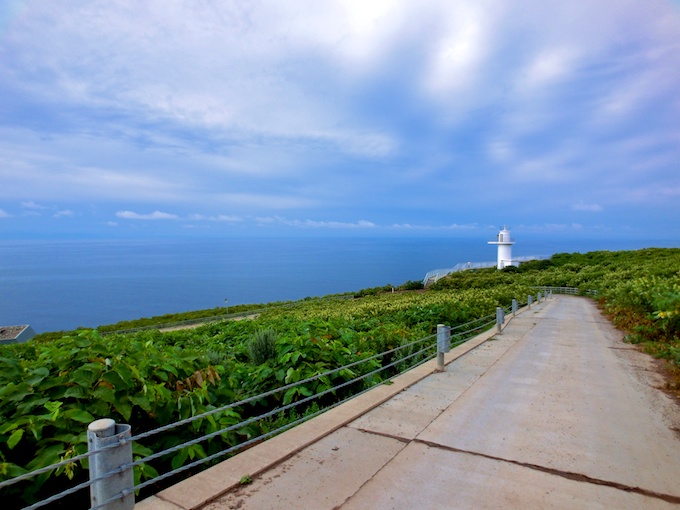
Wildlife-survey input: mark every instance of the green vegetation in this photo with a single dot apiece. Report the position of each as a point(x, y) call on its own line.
point(262, 346)
point(52, 388)
point(167, 319)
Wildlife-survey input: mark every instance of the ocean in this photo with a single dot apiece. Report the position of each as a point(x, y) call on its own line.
point(62, 285)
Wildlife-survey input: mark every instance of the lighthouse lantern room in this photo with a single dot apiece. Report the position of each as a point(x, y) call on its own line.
point(504, 242)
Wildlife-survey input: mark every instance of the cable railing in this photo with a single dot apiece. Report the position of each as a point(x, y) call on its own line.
point(107, 440)
point(572, 291)
point(437, 274)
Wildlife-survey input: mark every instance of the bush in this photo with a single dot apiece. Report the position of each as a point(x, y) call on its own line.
point(412, 285)
point(374, 291)
point(262, 346)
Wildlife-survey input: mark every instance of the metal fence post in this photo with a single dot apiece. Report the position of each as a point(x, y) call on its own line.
point(514, 308)
point(101, 434)
point(538, 298)
point(500, 318)
point(529, 300)
point(443, 345)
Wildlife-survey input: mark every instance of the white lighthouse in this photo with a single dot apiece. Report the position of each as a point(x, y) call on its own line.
point(504, 243)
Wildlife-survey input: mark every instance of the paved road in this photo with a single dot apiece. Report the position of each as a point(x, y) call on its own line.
point(556, 412)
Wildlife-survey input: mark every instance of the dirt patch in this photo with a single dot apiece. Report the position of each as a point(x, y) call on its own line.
point(654, 373)
point(671, 375)
point(657, 377)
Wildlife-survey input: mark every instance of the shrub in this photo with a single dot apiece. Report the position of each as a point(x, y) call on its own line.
point(262, 346)
point(412, 285)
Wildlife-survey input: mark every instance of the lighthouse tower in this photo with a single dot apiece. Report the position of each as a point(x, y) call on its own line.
point(504, 243)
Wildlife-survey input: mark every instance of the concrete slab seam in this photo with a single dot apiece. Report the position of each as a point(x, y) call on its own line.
point(368, 480)
point(383, 434)
point(578, 477)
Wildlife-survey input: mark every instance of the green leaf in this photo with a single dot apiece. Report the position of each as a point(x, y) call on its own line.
point(15, 438)
point(305, 391)
point(196, 450)
point(125, 409)
point(11, 369)
point(75, 392)
point(54, 409)
point(144, 472)
point(288, 396)
point(12, 425)
point(106, 394)
point(292, 375)
point(179, 459)
point(141, 401)
point(83, 342)
point(46, 457)
point(141, 450)
point(34, 380)
point(9, 470)
point(19, 395)
point(41, 371)
point(169, 368)
point(65, 438)
point(115, 380)
point(79, 415)
point(52, 406)
point(124, 372)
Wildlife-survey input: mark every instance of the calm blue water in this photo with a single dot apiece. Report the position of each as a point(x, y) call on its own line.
point(55, 285)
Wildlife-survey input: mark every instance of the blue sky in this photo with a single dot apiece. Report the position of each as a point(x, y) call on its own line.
point(451, 117)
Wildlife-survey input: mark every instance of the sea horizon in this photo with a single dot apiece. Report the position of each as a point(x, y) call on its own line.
point(55, 285)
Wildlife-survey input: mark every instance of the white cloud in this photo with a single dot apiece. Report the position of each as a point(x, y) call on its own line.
point(32, 205)
point(502, 151)
point(670, 191)
point(220, 218)
point(156, 215)
point(66, 213)
point(581, 206)
point(4, 214)
point(455, 63)
point(246, 57)
point(361, 224)
point(254, 108)
point(453, 226)
point(264, 201)
point(547, 67)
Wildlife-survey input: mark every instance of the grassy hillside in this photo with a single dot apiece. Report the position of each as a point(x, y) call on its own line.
point(51, 388)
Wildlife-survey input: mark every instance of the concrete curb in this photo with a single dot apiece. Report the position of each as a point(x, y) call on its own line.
point(204, 487)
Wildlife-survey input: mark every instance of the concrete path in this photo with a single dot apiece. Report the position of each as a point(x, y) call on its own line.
point(557, 412)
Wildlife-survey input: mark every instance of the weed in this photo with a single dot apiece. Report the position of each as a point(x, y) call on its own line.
point(262, 346)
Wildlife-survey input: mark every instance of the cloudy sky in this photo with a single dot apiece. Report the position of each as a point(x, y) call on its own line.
point(428, 117)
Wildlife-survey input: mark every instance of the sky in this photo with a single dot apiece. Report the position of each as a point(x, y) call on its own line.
point(122, 118)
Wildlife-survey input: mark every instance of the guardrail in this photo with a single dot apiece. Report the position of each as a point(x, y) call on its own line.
point(574, 291)
point(110, 457)
point(437, 274)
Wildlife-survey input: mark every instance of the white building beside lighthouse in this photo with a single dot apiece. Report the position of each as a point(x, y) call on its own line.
point(504, 243)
